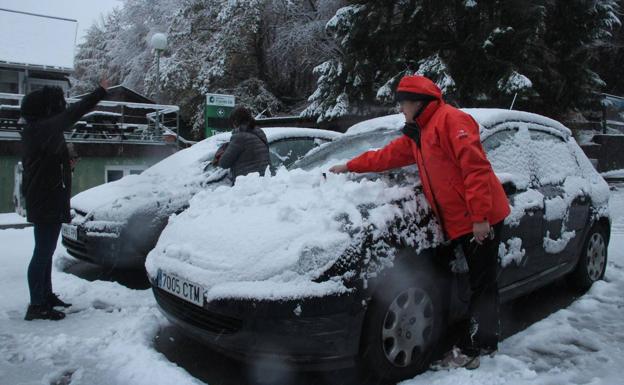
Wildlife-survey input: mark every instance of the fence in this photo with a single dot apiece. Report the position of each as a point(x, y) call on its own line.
point(111, 121)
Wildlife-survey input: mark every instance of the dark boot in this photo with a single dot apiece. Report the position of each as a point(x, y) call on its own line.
point(43, 312)
point(54, 300)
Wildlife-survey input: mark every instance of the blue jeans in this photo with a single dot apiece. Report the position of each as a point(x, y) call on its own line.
point(40, 267)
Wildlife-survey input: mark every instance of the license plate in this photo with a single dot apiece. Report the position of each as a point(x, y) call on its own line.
point(70, 231)
point(181, 288)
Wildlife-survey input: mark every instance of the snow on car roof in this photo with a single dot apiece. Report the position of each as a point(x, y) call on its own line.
point(487, 117)
point(490, 117)
point(178, 175)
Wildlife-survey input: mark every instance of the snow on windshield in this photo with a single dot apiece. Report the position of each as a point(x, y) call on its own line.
point(173, 180)
point(271, 237)
point(347, 147)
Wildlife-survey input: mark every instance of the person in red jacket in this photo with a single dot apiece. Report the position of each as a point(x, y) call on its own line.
point(464, 193)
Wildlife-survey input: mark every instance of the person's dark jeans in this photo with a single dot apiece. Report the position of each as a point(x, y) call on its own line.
point(484, 324)
point(40, 267)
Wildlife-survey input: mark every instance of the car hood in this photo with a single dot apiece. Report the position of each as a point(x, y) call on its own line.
point(269, 238)
point(174, 179)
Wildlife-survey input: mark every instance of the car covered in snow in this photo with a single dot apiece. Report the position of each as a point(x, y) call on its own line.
point(116, 224)
point(318, 269)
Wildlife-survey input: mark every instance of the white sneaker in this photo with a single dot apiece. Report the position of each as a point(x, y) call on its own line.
point(456, 359)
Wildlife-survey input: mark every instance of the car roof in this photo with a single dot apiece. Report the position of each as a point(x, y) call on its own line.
point(488, 119)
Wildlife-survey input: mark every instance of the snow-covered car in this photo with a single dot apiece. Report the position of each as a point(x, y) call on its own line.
point(116, 224)
point(319, 269)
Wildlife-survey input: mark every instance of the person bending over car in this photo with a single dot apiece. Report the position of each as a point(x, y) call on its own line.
point(248, 149)
point(47, 185)
point(464, 194)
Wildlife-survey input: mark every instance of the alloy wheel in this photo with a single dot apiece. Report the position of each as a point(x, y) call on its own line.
point(407, 327)
point(596, 256)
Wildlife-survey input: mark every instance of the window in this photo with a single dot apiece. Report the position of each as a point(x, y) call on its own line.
point(288, 151)
point(113, 173)
point(509, 152)
point(35, 84)
point(554, 161)
point(9, 82)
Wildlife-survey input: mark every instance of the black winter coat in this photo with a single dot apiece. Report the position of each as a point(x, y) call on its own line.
point(247, 152)
point(47, 179)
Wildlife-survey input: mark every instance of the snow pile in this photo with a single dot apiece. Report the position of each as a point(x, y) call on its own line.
point(106, 338)
point(275, 235)
point(555, 246)
point(530, 199)
point(511, 251)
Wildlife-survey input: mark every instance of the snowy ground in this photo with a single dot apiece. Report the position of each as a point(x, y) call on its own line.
point(108, 336)
point(11, 219)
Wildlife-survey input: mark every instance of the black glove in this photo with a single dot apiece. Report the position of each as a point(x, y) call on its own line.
point(412, 130)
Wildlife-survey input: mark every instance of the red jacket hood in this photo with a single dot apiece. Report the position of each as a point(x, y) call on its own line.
point(419, 85)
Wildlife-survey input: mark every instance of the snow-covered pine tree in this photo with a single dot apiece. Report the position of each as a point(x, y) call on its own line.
point(610, 58)
point(473, 50)
point(93, 56)
point(294, 42)
point(572, 33)
point(215, 47)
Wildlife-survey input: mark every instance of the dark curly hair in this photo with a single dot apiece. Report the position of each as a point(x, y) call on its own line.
point(241, 117)
point(42, 103)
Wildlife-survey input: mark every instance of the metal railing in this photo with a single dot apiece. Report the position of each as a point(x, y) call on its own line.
point(110, 121)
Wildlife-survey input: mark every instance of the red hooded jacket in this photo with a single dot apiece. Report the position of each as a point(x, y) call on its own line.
point(457, 178)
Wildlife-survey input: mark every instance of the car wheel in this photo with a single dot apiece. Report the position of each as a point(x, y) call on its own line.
point(402, 327)
point(592, 263)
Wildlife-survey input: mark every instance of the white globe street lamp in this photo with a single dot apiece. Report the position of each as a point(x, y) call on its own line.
point(159, 43)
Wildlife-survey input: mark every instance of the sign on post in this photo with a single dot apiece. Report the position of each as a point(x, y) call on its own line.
point(217, 112)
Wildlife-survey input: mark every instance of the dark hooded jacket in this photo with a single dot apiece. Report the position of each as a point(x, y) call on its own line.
point(47, 179)
point(247, 152)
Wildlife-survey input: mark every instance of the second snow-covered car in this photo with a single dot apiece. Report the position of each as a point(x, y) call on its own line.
point(326, 270)
point(117, 224)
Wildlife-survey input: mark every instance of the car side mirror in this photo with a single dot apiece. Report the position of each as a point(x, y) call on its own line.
point(510, 188)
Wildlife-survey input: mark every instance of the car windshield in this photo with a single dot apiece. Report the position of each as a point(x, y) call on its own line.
point(346, 148)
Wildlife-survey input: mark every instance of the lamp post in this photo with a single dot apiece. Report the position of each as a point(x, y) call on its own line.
point(159, 43)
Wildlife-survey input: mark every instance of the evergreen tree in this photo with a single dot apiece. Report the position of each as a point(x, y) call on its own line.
point(572, 33)
point(611, 57)
point(93, 58)
point(480, 52)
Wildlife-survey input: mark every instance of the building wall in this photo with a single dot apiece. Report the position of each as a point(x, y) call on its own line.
point(91, 169)
point(89, 172)
point(7, 163)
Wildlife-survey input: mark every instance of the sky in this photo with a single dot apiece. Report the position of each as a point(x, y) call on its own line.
point(85, 11)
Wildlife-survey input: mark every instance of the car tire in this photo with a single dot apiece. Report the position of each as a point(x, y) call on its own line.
point(403, 325)
point(592, 262)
